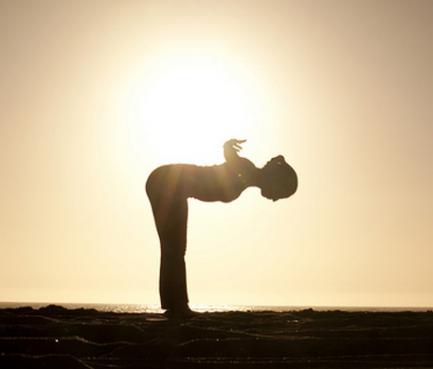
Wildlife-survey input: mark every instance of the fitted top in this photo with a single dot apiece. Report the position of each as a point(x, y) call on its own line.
point(224, 182)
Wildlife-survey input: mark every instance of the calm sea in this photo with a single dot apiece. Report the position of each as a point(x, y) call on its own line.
point(143, 308)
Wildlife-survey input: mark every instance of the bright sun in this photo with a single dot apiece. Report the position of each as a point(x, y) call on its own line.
point(188, 106)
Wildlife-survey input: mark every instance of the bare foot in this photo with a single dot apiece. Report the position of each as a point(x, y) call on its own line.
point(183, 312)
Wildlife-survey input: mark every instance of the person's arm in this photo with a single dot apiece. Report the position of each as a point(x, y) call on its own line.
point(241, 167)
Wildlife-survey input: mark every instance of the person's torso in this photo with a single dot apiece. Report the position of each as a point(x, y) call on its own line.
point(213, 183)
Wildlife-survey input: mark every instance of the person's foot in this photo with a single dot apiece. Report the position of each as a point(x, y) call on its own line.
point(183, 312)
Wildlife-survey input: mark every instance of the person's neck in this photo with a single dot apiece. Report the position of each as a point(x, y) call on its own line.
point(256, 178)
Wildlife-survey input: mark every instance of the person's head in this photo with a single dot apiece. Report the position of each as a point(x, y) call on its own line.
point(278, 179)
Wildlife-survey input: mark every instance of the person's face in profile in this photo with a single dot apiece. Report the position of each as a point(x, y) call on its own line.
point(275, 193)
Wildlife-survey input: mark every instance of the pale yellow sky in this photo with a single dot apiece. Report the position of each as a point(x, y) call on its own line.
point(95, 94)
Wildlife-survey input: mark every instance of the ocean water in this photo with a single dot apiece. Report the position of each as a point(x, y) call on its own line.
point(145, 308)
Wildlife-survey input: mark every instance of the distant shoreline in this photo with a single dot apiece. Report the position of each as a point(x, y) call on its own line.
point(149, 308)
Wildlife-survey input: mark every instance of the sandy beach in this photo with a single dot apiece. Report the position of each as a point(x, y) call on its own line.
point(55, 337)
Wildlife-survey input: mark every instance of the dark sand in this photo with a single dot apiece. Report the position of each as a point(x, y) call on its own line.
point(54, 337)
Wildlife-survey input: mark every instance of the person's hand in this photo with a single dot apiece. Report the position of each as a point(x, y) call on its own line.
point(233, 146)
point(231, 149)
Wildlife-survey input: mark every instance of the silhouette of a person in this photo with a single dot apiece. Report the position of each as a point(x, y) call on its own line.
point(168, 188)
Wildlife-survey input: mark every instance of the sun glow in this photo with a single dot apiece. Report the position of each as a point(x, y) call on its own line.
point(187, 107)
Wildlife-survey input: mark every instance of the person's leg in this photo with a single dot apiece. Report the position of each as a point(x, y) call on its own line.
point(171, 223)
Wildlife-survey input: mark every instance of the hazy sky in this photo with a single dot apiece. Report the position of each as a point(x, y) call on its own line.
point(95, 94)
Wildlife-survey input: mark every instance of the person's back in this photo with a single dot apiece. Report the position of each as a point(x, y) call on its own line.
point(205, 183)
